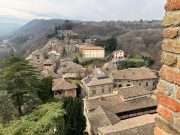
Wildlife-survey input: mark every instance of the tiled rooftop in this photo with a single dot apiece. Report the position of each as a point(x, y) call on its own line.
point(142, 125)
point(132, 91)
point(134, 74)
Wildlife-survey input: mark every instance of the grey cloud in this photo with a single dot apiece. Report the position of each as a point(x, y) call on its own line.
point(98, 9)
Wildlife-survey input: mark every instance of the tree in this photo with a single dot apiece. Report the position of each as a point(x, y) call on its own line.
point(47, 119)
point(8, 111)
point(45, 89)
point(148, 61)
point(76, 60)
point(56, 30)
point(74, 120)
point(19, 78)
point(130, 64)
point(109, 44)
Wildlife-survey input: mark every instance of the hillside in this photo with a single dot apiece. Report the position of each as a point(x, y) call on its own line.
point(7, 28)
point(139, 43)
point(137, 38)
point(33, 35)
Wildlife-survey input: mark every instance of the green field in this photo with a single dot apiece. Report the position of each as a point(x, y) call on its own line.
point(136, 59)
point(74, 55)
point(76, 81)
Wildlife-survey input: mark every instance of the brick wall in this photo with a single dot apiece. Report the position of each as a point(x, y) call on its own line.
point(168, 120)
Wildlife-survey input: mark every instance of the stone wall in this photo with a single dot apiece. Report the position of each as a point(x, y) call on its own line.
point(100, 90)
point(168, 120)
point(149, 84)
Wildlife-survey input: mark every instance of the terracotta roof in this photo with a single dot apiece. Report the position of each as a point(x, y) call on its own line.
point(116, 105)
point(117, 51)
point(100, 82)
point(132, 91)
point(70, 67)
point(94, 81)
point(102, 117)
point(110, 102)
point(134, 74)
point(49, 61)
point(61, 84)
point(91, 47)
point(142, 125)
point(136, 104)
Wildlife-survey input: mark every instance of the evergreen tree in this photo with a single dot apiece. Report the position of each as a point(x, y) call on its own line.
point(18, 79)
point(47, 119)
point(74, 120)
point(76, 60)
point(8, 111)
point(45, 89)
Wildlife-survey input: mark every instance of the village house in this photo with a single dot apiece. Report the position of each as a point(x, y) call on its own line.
point(92, 51)
point(132, 92)
point(45, 59)
point(57, 46)
point(65, 33)
point(111, 109)
point(118, 56)
point(108, 67)
point(135, 76)
point(61, 88)
point(70, 46)
point(37, 58)
point(69, 69)
point(141, 125)
point(48, 67)
point(97, 84)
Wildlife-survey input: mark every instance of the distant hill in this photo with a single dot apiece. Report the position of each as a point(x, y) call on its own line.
point(33, 35)
point(139, 43)
point(137, 38)
point(7, 28)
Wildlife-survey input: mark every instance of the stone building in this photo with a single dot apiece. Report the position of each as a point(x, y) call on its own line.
point(97, 84)
point(69, 69)
point(118, 56)
point(135, 76)
point(48, 67)
point(132, 92)
point(70, 48)
point(61, 88)
point(91, 51)
point(141, 125)
point(112, 109)
point(66, 33)
point(37, 58)
point(168, 95)
point(57, 46)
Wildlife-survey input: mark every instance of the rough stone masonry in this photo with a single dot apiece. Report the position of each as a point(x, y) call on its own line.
point(168, 120)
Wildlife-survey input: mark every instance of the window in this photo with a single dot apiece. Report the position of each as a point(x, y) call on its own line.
point(128, 85)
point(154, 83)
point(94, 92)
point(38, 56)
point(139, 84)
point(102, 90)
point(109, 89)
point(146, 83)
point(120, 85)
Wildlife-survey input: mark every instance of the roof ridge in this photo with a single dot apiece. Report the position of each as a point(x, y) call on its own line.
point(104, 108)
point(105, 113)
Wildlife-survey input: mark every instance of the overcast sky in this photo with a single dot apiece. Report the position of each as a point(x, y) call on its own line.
point(21, 11)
